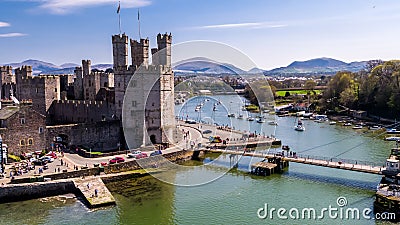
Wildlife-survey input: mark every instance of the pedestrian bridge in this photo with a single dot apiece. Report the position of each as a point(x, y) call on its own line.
point(336, 163)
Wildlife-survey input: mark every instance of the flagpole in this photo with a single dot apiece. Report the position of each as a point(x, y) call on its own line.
point(138, 16)
point(119, 16)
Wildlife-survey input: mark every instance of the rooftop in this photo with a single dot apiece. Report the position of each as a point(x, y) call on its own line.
point(8, 111)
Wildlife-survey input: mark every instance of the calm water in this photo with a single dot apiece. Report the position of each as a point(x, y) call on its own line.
point(235, 197)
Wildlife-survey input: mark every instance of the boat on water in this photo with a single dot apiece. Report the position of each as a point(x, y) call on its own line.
point(261, 120)
point(393, 131)
point(250, 118)
point(392, 139)
point(240, 116)
point(357, 127)
point(347, 124)
point(387, 196)
point(272, 123)
point(266, 111)
point(299, 126)
point(375, 127)
point(231, 115)
point(332, 122)
point(215, 108)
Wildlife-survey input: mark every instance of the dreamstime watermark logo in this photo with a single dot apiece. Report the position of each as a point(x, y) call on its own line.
point(339, 211)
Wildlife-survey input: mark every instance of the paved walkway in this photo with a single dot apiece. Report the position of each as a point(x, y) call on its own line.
point(95, 191)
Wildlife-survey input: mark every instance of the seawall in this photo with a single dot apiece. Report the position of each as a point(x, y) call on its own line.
point(20, 192)
point(63, 183)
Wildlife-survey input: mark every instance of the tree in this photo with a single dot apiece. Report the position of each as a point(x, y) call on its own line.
point(310, 85)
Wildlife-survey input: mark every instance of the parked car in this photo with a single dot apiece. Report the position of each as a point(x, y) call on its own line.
point(47, 158)
point(52, 155)
point(207, 131)
point(137, 155)
point(117, 160)
point(158, 152)
point(39, 162)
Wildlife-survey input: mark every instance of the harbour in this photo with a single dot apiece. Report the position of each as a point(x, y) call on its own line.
point(247, 192)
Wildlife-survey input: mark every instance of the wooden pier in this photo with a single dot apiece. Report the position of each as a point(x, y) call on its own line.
point(95, 192)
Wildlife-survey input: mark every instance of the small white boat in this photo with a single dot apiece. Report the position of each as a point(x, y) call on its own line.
point(260, 120)
point(240, 116)
point(272, 123)
point(392, 139)
point(332, 123)
point(299, 126)
point(347, 124)
point(231, 115)
point(357, 127)
point(375, 127)
point(250, 118)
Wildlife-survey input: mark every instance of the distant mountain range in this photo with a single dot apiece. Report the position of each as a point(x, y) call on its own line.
point(40, 67)
point(316, 66)
point(205, 66)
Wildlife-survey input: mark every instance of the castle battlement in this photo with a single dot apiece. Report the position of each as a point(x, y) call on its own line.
point(164, 37)
point(80, 102)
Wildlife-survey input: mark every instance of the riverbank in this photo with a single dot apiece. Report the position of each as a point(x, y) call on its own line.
point(79, 182)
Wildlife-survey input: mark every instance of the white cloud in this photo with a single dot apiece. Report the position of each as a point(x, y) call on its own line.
point(8, 35)
point(4, 24)
point(256, 25)
point(68, 6)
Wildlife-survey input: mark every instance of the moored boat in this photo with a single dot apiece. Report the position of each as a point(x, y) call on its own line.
point(299, 126)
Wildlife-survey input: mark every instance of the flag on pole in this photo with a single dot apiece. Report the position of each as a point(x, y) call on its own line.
point(119, 7)
point(138, 17)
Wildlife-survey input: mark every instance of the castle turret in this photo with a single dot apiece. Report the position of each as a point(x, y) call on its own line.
point(120, 52)
point(78, 83)
point(140, 52)
point(87, 67)
point(164, 43)
point(5, 74)
point(20, 74)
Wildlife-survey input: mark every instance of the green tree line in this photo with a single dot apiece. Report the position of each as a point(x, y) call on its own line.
point(375, 89)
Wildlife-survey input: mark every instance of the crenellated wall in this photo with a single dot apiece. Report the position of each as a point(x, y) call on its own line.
point(78, 111)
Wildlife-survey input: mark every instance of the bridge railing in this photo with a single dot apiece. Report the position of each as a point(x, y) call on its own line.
point(341, 160)
point(327, 159)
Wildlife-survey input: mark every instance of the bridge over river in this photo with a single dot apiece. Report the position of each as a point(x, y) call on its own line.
point(336, 163)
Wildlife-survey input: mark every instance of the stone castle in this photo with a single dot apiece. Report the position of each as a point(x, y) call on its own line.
point(87, 108)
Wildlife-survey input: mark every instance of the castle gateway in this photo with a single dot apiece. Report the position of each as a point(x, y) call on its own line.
point(144, 92)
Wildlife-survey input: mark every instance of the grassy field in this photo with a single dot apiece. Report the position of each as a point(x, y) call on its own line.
point(294, 92)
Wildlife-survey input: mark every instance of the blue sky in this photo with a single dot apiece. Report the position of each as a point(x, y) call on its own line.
point(273, 33)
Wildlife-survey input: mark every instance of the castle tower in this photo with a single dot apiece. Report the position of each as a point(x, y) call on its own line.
point(140, 52)
point(164, 43)
point(21, 74)
point(78, 83)
point(87, 67)
point(150, 111)
point(5, 74)
point(120, 52)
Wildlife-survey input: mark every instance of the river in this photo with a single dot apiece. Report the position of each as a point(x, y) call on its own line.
point(236, 197)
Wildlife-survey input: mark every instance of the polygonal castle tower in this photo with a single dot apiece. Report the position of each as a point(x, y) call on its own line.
point(148, 107)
